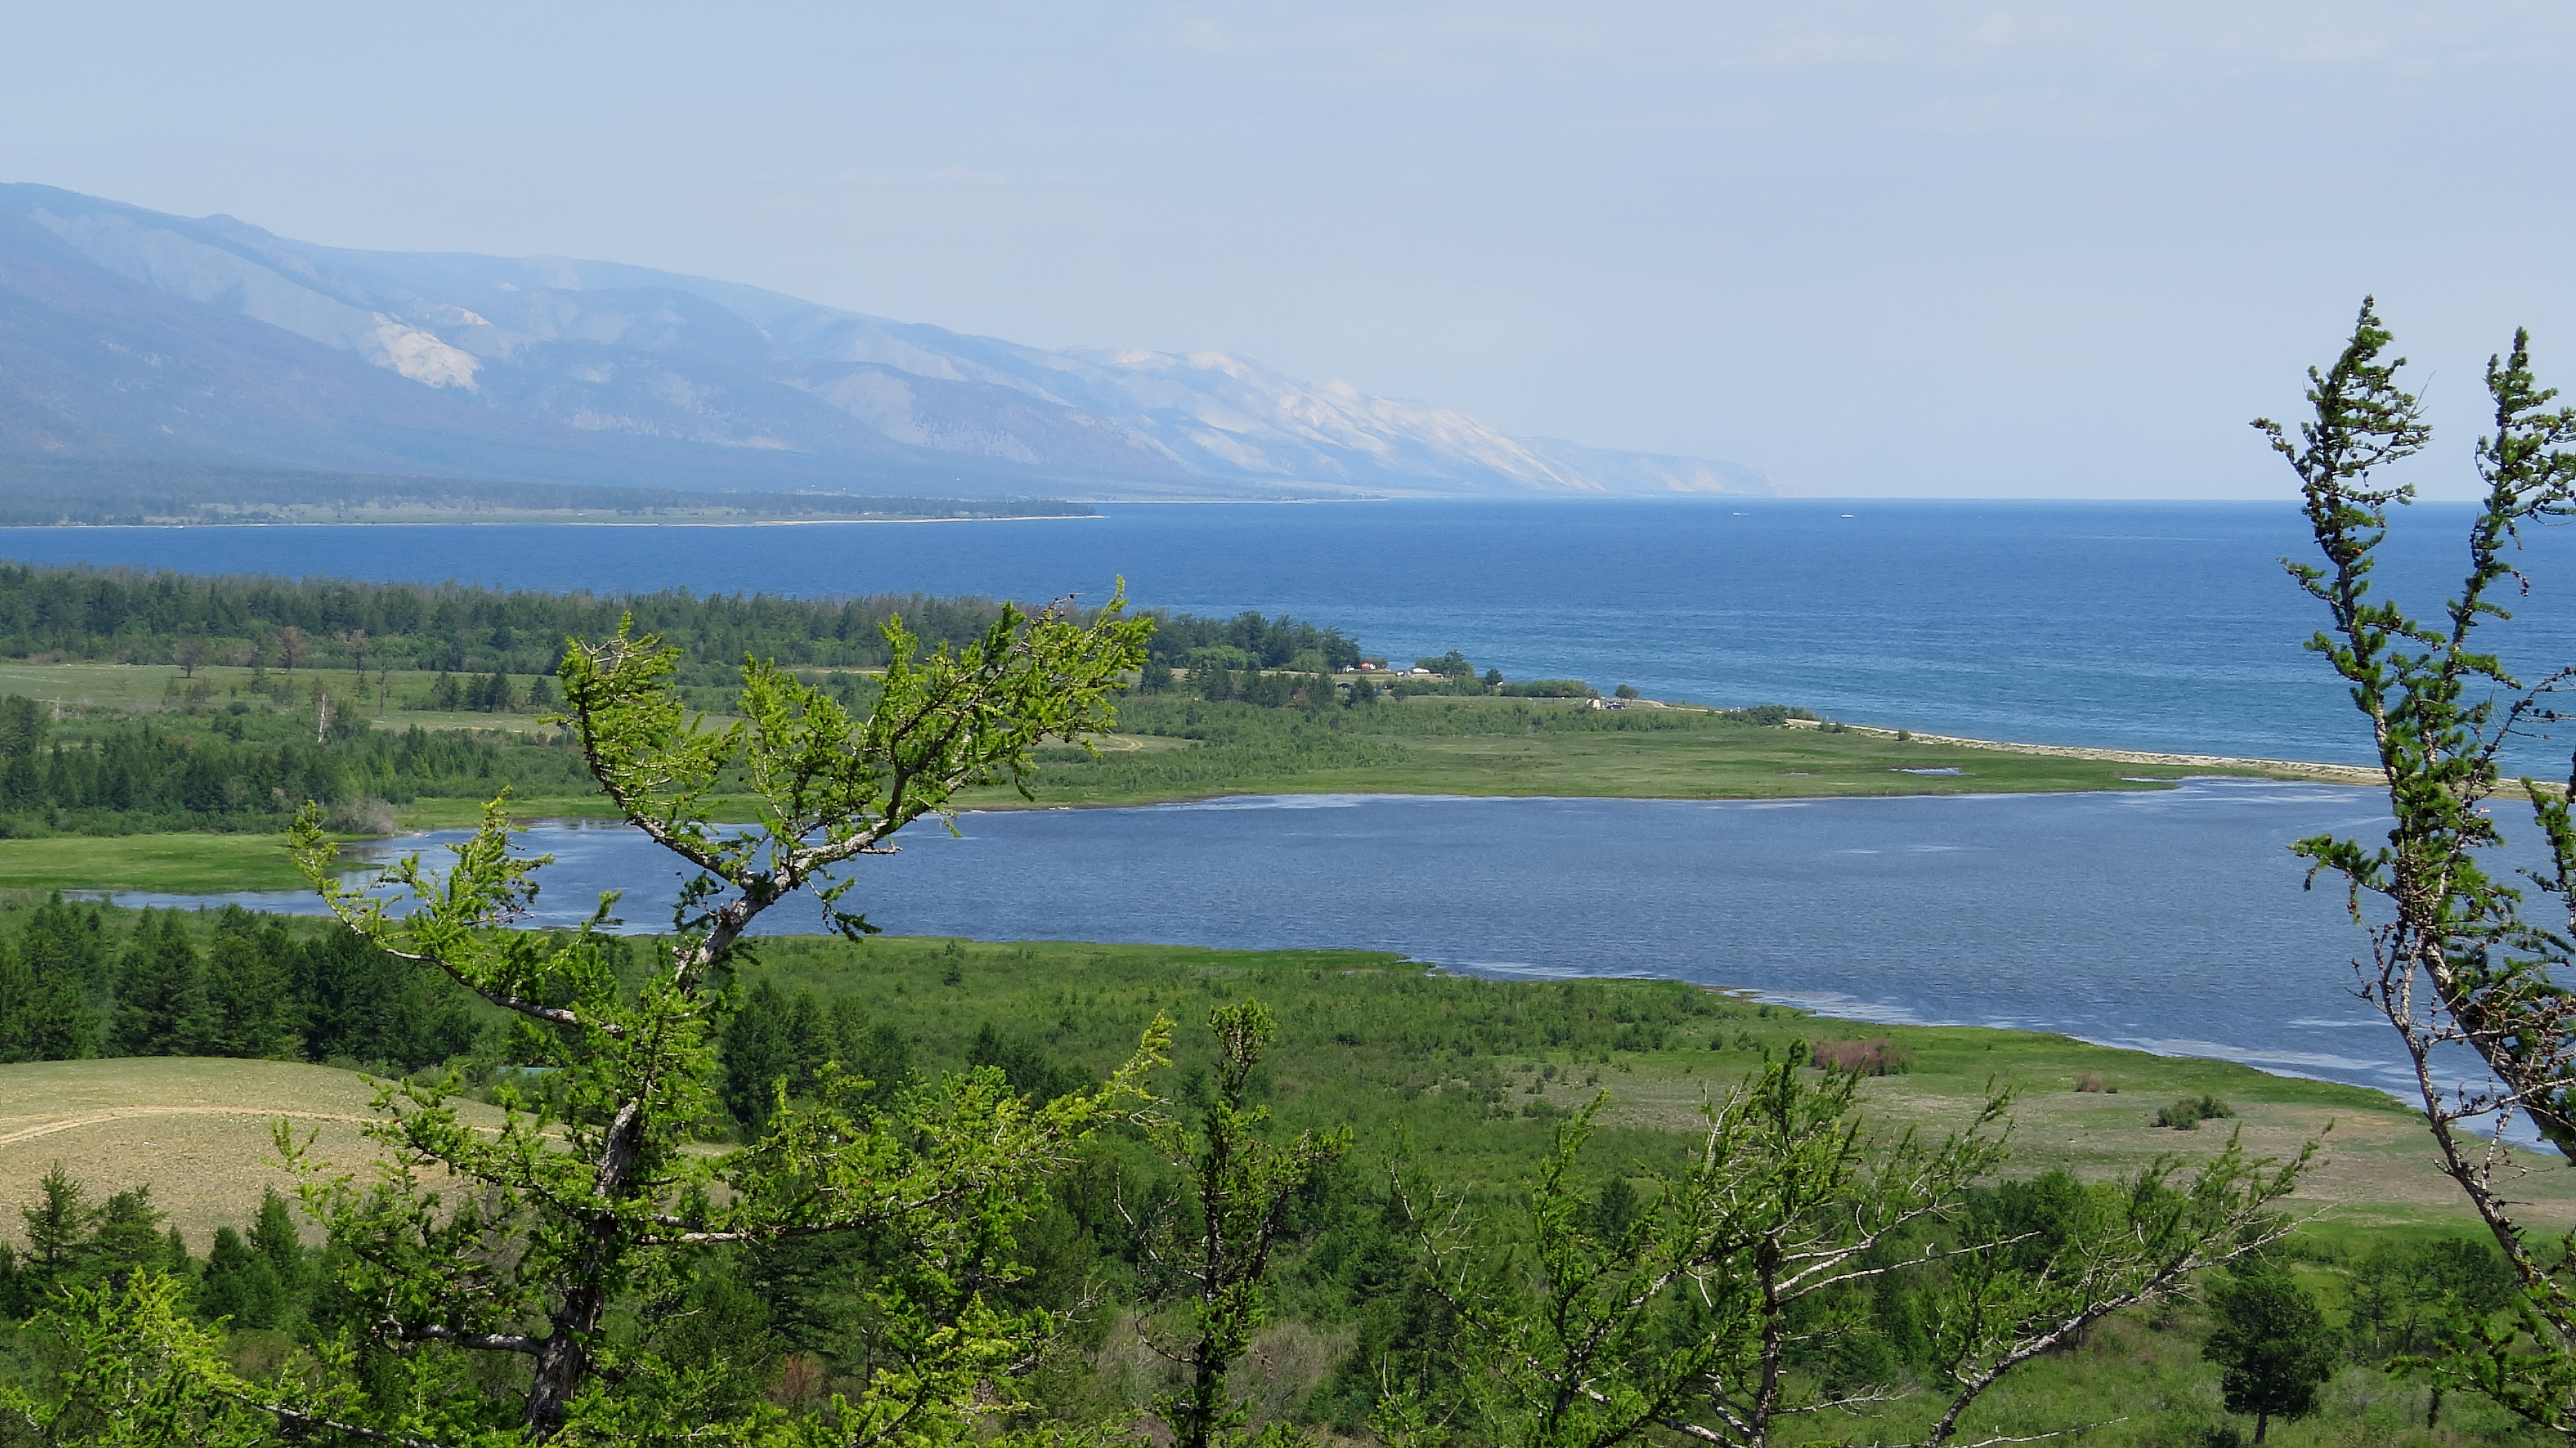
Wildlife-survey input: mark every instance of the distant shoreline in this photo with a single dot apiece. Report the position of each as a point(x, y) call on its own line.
point(2357, 774)
point(537, 522)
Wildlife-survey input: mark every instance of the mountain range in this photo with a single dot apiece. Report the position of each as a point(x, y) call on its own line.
point(135, 338)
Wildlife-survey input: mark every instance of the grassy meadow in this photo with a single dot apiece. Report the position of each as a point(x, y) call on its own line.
point(1472, 1072)
point(1164, 749)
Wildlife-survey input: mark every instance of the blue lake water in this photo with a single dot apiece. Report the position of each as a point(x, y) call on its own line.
point(2142, 625)
point(2172, 921)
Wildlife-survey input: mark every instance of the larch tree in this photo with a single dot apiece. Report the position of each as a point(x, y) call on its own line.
point(537, 1243)
point(2465, 954)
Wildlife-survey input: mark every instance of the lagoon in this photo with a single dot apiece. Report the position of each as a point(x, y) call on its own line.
point(2171, 921)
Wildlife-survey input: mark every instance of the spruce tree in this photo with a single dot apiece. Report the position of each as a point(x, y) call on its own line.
point(127, 1237)
point(758, 1053)
point(57, 1227)
point(250, 1008)
point(273, 1236)
point(65, 950)
point(239, 1284)
point(161, 1007)
point(17, 999)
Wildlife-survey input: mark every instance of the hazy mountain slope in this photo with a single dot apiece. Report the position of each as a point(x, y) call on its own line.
point(127, 334)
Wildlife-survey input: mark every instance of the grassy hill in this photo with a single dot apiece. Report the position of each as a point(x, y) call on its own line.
point(197, 1129)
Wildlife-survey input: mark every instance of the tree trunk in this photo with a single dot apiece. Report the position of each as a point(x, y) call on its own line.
point(2262, 1425)
point(563, 1359)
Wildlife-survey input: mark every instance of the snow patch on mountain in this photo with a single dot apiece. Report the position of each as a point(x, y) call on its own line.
point(552, 352)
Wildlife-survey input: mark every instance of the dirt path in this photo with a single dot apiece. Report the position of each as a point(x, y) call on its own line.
point(71, 1123)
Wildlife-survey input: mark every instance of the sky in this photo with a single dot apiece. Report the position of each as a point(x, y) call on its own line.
point(1870, 249)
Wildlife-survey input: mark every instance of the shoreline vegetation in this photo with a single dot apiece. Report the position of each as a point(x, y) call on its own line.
point(157, 730)
point(179, 990)
point(55, 495)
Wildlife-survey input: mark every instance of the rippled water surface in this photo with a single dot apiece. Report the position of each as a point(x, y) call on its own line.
point(2144, 625)
point(2170, 920)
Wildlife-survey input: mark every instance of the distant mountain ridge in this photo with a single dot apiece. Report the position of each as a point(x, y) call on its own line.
point(130, 336)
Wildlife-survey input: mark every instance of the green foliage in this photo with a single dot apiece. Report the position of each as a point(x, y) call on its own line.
point(1213, 1251)
point(228, 983)
point(161, 1003)
point(251, 771)
point(2455, 962)
point(2188, 1113)
point(240, 1285)
point(133, 1372)
point(2406, 1295)
point(2272, 1342)
point(776, 1044)
point(588, 1198)
point(1248, 640)
point(44, 1012)
point(1693, 1305)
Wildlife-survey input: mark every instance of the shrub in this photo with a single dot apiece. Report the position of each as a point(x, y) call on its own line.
point(2091, 1081)
point(1877, 1057)
point(2188, 1113)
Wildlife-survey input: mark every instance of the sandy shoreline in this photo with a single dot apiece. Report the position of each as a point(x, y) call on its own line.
point(2291, 768)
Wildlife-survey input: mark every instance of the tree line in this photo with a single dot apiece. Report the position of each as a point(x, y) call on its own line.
point(134, 616)
point(74, 986)
point(247, 771)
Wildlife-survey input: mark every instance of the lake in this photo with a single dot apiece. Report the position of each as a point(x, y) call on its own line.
point(2139, 625)
point(2172, 921)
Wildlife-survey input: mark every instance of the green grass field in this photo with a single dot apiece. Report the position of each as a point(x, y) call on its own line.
point(1463, 1060)
point(1461, 1066)
point(1168, 749)
point(1424, 745)
point(1739, 763)
point(179, 864)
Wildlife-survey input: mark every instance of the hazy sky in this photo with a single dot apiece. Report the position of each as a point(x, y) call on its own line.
point(1869, 248)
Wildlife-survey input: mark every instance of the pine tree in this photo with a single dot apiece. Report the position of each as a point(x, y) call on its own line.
point(251, 1009)
point(272, 1235)
point(161, 1007)
point(758, 1053)
point(239, 1284)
